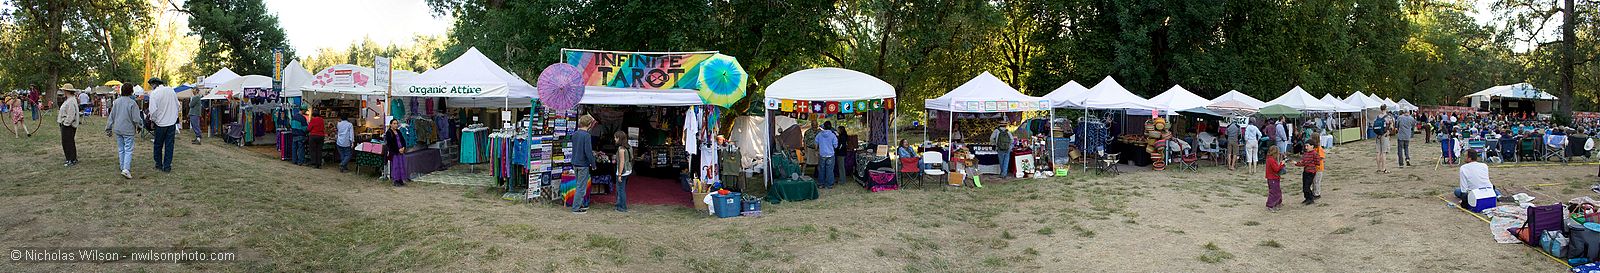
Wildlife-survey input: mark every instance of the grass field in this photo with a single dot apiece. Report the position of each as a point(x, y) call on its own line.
point(289, 218)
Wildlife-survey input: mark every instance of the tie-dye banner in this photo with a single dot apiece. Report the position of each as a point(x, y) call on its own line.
point(639, 70)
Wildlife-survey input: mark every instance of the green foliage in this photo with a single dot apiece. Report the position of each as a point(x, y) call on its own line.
point(49, 42)
point(236, 34)
point(418, 57)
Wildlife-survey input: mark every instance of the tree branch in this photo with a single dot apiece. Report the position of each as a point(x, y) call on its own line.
point(178, 9)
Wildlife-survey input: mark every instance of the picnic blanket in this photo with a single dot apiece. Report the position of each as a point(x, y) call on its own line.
point(1504, 217)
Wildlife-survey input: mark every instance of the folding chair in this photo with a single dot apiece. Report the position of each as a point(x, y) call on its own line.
point(1527, 149)
point(1106, 163)
point(935, 163)
point(1555, 147)
point(909, 168)
point(1508, 149)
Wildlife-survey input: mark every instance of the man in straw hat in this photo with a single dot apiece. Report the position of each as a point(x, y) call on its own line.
point(67, 117)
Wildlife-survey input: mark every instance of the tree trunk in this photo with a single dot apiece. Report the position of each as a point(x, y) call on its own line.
point(1568, 38)
point(56, 19)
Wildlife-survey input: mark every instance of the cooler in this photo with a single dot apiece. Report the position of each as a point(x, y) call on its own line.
point(1482, 199)
point(727, 205)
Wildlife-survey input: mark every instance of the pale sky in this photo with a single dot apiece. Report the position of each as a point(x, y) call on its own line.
point(313, 24)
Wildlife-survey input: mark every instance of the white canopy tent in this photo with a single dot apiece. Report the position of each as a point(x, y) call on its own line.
point(217, 79)
point(1387, 102)
point(1067, 95)
point(1407, 106)
point(1361, 100)
point(235, 88)
point(295, 78)
point(1299, 99)
point(1339, 105)
point(1235, 95)
point(1177, 99)
point(348, 81)
point(985, 94)
point(1108, 94)
point(828, 84)
point(472, 75)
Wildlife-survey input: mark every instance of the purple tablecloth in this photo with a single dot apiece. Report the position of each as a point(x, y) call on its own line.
point(423, 161)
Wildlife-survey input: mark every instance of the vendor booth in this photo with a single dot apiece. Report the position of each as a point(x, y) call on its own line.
point(1313, 112)
point(857, 103)
point(347, 90)
point(1343, 131)
point(423, 104)
point(1142, 137)
point(666, 106)
point(976, 119)
point(1369, 110)
point(248, 110)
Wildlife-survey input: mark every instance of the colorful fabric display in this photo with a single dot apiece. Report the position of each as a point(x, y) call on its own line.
point(847, 107)
point(786, 106)
point(888, 103)
point(832, 107)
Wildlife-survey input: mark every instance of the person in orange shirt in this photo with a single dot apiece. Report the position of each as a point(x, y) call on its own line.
point(1322, 163)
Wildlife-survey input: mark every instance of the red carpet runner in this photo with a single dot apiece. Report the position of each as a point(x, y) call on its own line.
point(650, 191)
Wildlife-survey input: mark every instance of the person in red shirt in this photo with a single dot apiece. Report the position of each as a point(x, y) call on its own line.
point(316, 132)
point(1309, 161)
point(1274, 176)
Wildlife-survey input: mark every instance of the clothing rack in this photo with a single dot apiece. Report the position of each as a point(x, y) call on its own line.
point(474, 148)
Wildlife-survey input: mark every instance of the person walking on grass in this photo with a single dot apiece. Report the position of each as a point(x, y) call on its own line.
point(1380, 131)
point(122, 122)
point(68, 118)
point(1309, 161)
point(624, 169)
point(1404, 126)
point(164, 109)
point(394, 152)
point(582, 162)
point(344, 137)
point(316, 133)
point(1275, 171)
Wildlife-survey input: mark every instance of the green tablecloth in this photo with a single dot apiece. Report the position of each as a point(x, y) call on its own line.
point(1347, 135)
point(792, 190)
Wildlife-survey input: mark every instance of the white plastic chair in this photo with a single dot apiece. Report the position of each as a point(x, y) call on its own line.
point(933, 164)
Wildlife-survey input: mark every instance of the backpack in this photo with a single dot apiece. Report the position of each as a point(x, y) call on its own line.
point(1378, 126)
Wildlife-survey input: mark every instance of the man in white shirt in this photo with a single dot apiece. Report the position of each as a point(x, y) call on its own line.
point(1474, 175)
point(164, 110)
point(344, 137)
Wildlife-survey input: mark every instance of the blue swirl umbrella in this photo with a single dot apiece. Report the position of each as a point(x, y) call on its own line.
point(722, 81)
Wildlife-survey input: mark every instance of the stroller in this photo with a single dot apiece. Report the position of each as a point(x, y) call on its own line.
point(235, 134)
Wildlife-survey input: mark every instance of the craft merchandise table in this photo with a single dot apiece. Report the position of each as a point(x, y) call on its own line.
point(791, 190)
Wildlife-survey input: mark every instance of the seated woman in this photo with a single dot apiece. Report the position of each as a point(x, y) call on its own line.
point(1474, 175)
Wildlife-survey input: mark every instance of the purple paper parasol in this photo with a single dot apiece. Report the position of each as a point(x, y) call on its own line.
point(560, 86)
